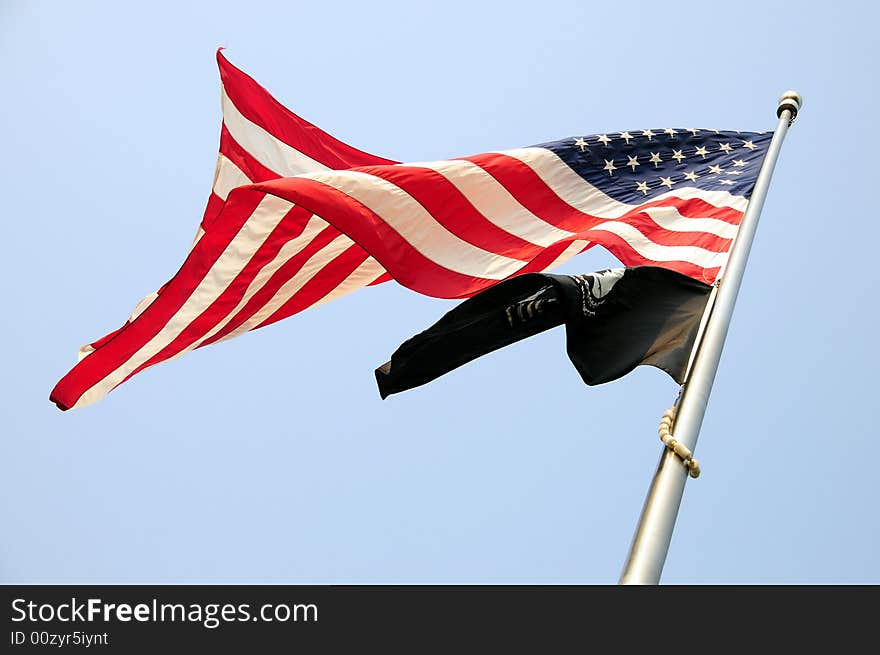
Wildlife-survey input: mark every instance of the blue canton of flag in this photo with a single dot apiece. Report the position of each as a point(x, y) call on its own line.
point(636, 166)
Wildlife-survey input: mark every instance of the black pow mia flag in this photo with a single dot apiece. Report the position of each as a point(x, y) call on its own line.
point(614, 319)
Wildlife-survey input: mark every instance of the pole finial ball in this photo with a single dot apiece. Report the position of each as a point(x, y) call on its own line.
point(792, 101)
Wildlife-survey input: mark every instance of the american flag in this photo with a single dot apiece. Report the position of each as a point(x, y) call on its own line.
point(297, 218)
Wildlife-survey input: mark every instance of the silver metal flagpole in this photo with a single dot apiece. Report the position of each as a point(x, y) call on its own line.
point(654, 532)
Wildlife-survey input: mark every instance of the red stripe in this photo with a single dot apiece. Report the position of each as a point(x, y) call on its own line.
point(531, 191)
point(451, 208)
point(215, 206)
point(454, 211)
point(366, 228)
point(414, 270)
point(385, 277)
point(534, 194)
point(549, 255)
point(127, 341)
point(320, 285)
point(661, 236)
point(539, 198)
point(258, 106)
point(690, 207)
point(248, 164)
point(699, 208)
point(275, 282)
point(107, 337)
point(618, 247)
point(627, 255)
point(290, 227)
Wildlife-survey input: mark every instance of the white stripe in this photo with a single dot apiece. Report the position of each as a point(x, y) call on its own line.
point(145, 302)
point(312, 267)
point(267, 149)
point(670, 219)
point(314, 226)
point(369, 271)
point(575, 247)
point(583, 196)
point(148, 300)
point(200, 232)
point(496, 203)
point(660, 253)
point(228, 176)
point(417, 226)
point(288, 250)
point(142, 305)
point(236, 255)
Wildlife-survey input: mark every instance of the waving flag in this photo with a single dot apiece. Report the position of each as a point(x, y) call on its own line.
point(614, 320)
point(297, 218)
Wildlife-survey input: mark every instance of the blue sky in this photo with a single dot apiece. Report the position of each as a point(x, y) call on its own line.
point(270, 458)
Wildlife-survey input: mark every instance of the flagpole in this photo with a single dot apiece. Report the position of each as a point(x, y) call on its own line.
point(650, 543)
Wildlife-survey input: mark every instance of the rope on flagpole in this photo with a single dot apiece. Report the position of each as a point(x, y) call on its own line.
point(684, 453)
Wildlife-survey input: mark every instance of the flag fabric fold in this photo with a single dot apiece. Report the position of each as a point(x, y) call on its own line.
point(260, 140)
point(614, 320)
point(297, 218)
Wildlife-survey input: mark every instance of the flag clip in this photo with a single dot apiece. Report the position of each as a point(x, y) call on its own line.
point(677, 447)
